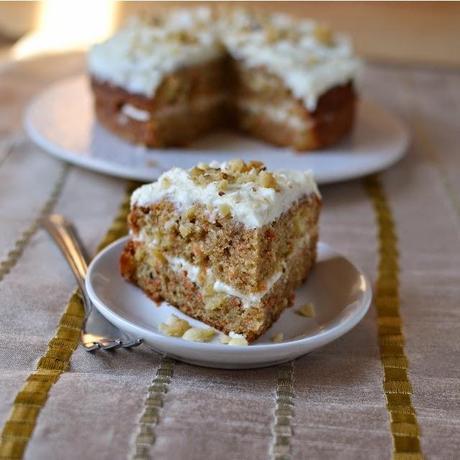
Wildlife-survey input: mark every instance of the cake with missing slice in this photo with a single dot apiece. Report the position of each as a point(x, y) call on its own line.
point(168, 79)
point(225, 243)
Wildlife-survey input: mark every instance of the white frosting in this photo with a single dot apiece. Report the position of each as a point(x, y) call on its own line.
point(276, 113)
point(246, 299)
point(135, 113)
point(178, 264)
point(234, 335)
point(251, 204)
point(139, 56)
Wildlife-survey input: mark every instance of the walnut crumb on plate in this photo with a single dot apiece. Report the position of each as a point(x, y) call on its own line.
point(195, 334)
point(307, 310)
point(175, 327)
point(225, 339)
point(278, 338)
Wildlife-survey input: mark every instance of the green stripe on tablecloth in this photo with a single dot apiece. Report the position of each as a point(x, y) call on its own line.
point(150, 416)
point(404, 427)
point(15, 254)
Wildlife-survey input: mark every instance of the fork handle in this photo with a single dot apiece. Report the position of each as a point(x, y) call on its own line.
point(66, 237)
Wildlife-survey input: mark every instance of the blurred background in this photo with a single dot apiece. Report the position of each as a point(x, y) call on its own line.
point(416, 33)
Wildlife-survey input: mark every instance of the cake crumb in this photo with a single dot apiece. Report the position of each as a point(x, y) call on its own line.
point(278, 338)
point(175, 327)
point(225, 339)
point(237, 339)
point(308, 310)
point(195, 334)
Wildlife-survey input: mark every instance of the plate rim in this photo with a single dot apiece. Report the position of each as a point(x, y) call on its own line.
point(106, 167)
point(324, 337)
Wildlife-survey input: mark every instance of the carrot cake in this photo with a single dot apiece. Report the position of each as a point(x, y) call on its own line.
point(225, 243)
point(169, 79)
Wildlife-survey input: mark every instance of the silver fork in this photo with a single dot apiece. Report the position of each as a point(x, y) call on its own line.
point(97, 332)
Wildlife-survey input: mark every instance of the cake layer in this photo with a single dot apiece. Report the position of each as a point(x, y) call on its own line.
point(187, 104)
point(179, 283)
point(294, 128)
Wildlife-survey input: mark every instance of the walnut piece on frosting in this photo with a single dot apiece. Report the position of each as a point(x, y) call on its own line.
point(234, 172)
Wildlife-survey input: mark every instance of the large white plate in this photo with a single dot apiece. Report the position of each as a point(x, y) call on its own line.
point(339, 291)
point(61, 121)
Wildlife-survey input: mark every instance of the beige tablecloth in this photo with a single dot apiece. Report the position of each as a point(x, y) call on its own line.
point(351, 399)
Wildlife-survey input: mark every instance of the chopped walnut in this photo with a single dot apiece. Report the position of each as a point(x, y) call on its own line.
point(198, 335)
point(278, 338)
point(225, 339)
point(225, 210)
point(183, 36)
point(190, 213)
point(222, 186)
point(235, 172)
point(272, 34)
point(267, 180)
point(308, 310)
point(165, 182)
point(175, 327)
point(185, 230)
point(323, 34)
point(236, 166)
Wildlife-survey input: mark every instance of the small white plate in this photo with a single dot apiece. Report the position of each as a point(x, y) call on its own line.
point(61, 121)
point(340, 293)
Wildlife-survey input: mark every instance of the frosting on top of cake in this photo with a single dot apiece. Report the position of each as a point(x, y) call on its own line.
point(149, 47)
point(244, 191)
point(305, 55)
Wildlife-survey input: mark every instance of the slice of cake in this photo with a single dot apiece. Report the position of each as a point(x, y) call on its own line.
point(225, 243)
point(168, 79)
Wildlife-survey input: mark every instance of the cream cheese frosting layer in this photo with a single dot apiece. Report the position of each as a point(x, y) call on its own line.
point(250, 203)
point(306, 56)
